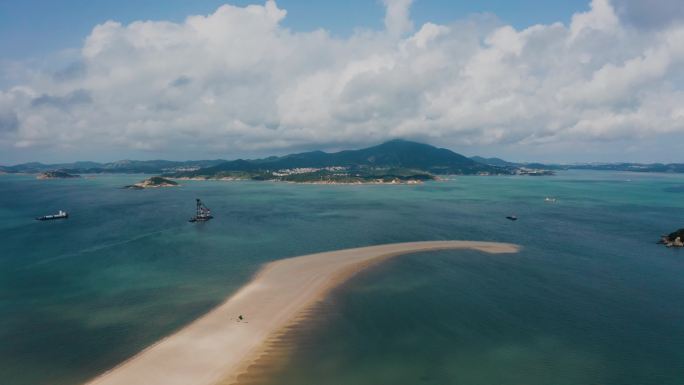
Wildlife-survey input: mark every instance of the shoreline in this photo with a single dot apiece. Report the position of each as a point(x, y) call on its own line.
point(312, 182)
point(218, 348)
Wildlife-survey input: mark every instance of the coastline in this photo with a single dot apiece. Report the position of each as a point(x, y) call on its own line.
point(217, 348)
point(312, 182)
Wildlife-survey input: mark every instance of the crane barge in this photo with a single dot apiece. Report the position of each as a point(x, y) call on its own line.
point(203, 213)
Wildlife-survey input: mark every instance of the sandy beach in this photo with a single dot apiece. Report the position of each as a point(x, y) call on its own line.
point(217, 347)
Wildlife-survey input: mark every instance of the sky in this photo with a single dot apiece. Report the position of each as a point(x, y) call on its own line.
point(527, 80)
point(39, 27)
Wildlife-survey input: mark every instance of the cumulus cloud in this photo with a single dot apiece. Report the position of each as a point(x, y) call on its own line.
point(237, 80)
point(397, 20)
point(63, 102)
point(601, 17)
point(651, 13)
point(9, 122)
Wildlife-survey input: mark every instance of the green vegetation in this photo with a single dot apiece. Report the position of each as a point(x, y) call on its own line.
point(225, 175)
point(158, 181)
point(395, 161)
point(56, 175)
point(155, 181)
point(367, 175)
point(392, 154)
point(314, 175)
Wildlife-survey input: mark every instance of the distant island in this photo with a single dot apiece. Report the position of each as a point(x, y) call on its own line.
point(671, 168)
point(118, 167)
point(56, 175)
point(396, 161)
point(393, 162)
point(675, 239)
point(153, 182)
point(326, 175)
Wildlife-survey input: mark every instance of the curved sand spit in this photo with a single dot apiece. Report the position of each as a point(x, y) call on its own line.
point(216, 348)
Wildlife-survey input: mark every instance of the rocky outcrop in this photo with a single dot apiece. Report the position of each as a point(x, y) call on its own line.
point(56, 175)
point(675, 239)
point(154, 182)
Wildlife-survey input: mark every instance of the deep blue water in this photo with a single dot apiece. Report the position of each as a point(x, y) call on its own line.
point(591, 299)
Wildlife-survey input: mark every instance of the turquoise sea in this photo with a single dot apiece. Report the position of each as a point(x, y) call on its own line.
point(591, 299)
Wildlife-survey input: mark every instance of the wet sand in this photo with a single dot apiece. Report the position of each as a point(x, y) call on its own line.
point(218, 347)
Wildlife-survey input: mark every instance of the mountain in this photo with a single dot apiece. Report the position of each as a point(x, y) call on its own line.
point(393, 155)
point(121, 166)
point(56, 175)
point(401, 155)
point(631, 167)
point(493, 161)
point(153, 182)
point(33, 167)
point(154, 166)
point(634, 167)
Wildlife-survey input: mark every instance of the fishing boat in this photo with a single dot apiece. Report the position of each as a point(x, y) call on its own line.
point(203, 213)
point(60, 215)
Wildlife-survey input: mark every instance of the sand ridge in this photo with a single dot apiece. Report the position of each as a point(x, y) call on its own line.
point(216, 348)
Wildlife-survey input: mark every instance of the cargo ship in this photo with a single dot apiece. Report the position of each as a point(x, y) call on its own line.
point(203, 213)
point(60, 215)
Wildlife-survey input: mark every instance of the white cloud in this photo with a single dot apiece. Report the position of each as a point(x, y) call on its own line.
point(601, 17)
point(650, 13)
point(238, 81)
point(397, 18)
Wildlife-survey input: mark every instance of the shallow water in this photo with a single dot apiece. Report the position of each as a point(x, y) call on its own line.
point(590, 299)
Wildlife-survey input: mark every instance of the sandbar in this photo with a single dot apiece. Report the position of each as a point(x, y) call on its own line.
point(217, 347)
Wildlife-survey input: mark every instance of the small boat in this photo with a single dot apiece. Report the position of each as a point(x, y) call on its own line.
point(60, 215)
point(203, 213)
point(512, 218)
point(550, 200)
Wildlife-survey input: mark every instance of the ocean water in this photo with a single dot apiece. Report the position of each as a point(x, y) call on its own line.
point(591, 299)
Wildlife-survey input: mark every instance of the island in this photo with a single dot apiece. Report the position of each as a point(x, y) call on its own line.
point(58, 174)
point(153, 182)
point(674, 239)
point(393, 154)
point(324, 175)
point(534, 172)
point(393, 162)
